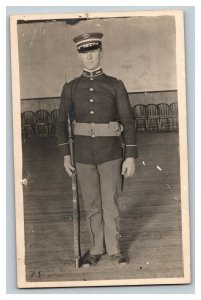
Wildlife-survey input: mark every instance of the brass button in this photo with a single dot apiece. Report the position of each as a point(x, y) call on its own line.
point(91, 89)
point(91, 100)
point(91, 112)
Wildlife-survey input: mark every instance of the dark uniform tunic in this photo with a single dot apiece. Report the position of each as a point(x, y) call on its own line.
point(98, 98)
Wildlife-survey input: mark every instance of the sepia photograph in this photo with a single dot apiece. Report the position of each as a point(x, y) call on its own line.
point(100, 149)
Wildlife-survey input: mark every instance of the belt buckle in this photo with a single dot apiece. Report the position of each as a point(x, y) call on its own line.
point(92, 130)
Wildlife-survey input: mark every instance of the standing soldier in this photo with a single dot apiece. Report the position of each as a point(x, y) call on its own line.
point(101, 111)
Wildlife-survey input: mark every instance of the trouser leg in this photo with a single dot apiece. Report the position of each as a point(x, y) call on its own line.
point(90, 187)
point(110, 182)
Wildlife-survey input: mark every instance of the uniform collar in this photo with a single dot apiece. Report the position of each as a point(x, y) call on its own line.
point(94, 73)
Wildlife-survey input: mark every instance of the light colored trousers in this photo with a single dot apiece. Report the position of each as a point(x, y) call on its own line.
point(100, 187)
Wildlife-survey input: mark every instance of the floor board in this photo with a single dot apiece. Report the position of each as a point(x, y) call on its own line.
point(150, 215)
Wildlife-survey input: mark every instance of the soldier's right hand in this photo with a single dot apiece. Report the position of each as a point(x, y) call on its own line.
point(67, 165)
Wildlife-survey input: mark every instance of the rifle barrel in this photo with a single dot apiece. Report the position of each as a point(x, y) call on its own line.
point(76, 211)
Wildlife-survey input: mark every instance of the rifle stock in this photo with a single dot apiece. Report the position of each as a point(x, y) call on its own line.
point(76, 211)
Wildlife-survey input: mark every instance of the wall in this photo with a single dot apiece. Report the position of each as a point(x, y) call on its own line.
point(35, 104)
point(138, 50)
point(143, 98)
point(153, 97)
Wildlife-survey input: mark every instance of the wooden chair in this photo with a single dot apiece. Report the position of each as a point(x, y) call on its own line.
point(165, 118)
point(139, 112)
point(152, 117)
point(28, 122)
point(175, 115)
point(53, 120)
point(42, 123)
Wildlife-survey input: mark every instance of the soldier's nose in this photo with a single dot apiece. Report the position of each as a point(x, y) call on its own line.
point(89, 55)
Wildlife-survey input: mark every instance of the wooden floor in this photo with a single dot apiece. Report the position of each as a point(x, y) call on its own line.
point(150, 215)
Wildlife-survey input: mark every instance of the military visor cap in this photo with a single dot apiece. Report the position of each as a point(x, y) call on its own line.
point(88, 41)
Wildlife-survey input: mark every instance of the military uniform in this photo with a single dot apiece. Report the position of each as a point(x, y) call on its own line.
point(96, 98)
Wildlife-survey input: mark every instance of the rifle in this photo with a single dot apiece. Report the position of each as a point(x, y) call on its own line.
point(76, 210)
point(123, 147)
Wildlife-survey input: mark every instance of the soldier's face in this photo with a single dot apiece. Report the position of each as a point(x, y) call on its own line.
point(91, 59)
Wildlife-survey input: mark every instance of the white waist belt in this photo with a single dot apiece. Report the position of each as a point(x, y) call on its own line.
point(95, 129)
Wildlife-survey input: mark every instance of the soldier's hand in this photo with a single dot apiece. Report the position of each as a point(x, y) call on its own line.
point(67, 165)
point(128, 167)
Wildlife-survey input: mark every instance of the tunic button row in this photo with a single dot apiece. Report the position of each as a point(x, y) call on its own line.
point(91, 89)
point(91, 112)
point(91, 100)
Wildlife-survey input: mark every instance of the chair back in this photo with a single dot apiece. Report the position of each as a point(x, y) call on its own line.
point(28, 118)
point(174, 109)
point(54, 116)
point(139, 110)
point(164, 109)
point(42, 116)
point(151, 110)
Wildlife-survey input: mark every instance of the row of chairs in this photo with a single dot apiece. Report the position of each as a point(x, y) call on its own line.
point(159, 117)
point(147, 117)
point(40, 123)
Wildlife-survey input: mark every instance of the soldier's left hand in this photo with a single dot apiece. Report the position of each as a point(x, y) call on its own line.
point(128, 167)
